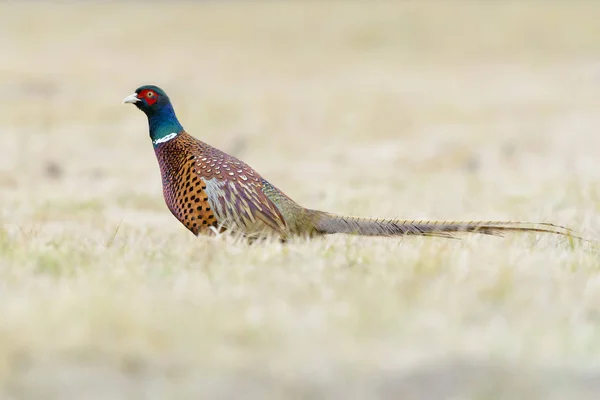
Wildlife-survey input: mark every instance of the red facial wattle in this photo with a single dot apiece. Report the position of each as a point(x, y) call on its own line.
point(149, 96)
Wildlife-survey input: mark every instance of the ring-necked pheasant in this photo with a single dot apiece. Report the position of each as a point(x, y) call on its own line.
point(206, 188)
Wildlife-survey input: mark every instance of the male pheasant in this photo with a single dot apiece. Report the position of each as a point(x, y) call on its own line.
point(208, 190)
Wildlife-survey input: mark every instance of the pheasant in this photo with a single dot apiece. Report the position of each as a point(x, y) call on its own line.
point(210, 191)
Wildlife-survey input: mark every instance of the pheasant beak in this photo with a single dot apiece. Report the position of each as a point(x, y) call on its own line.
point(131, 99)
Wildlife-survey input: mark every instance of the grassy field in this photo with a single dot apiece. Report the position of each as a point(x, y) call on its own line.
point(457, 110)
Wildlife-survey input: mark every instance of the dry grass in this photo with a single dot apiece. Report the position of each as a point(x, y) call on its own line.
point(416, 109)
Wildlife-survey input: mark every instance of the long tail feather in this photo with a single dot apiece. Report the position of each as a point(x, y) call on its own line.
point(327, 223)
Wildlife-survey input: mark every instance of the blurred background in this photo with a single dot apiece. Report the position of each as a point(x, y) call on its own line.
point(341, 92)
point(411, 109)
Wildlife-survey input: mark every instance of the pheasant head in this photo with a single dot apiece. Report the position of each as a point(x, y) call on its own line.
point(155, 103)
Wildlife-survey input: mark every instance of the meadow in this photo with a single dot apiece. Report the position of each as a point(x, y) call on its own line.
point(416, 110)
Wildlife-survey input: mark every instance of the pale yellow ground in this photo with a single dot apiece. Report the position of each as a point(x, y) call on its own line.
point(459, 110)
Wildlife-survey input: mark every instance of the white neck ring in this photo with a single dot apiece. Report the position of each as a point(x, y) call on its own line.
point(165, 138)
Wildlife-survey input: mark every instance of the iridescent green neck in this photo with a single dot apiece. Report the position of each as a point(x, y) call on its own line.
point(163, 124)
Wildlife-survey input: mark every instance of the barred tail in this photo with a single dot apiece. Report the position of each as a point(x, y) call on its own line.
point(326, 223)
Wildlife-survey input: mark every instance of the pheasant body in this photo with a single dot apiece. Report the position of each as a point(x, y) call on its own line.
point(205, 187)
point(207, 190)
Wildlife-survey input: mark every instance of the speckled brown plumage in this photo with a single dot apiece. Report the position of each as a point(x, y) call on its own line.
point(206, 189)
point(184, 190)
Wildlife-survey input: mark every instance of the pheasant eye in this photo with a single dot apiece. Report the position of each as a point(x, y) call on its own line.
point(150, 94)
